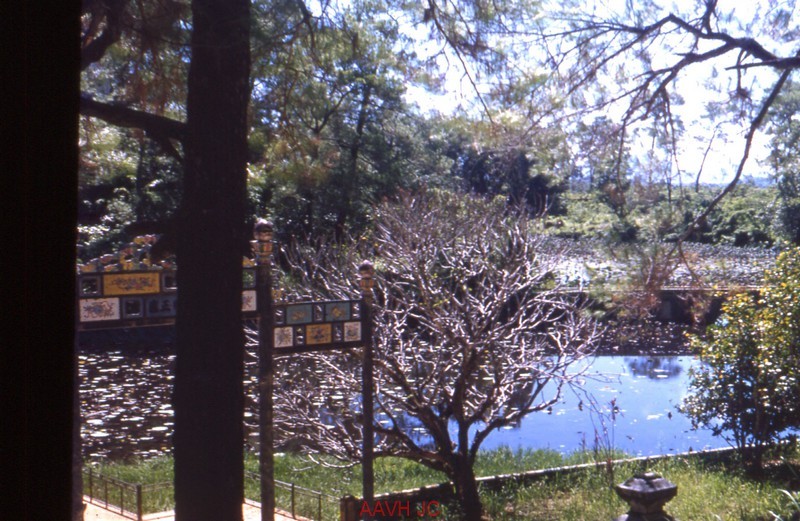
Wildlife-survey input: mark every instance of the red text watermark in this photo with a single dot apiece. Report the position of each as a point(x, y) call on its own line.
point(397, 509)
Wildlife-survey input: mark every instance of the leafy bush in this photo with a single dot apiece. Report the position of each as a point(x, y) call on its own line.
point(748, 391)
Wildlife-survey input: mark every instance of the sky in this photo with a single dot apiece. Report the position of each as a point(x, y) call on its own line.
point(720, 160)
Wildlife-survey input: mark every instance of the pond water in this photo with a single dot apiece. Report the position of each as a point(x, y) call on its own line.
point(628, 402)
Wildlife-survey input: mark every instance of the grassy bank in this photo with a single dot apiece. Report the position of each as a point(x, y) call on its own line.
point(707, 490)
point(711, 491)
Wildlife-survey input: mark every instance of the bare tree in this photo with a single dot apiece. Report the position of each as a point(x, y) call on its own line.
point(471, 336)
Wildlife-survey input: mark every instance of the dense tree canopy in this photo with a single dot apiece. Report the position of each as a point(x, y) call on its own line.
point(333, 130)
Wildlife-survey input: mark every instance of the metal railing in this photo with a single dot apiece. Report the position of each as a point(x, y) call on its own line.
point(134, 500)
point(114, 494)
point(129, 500)
point(301, 502)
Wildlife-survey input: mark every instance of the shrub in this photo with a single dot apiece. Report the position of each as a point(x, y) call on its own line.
point(747, 391)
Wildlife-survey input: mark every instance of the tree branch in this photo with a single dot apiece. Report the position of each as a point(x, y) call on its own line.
point(161, 129)
point(95, 47)
point(754, 126)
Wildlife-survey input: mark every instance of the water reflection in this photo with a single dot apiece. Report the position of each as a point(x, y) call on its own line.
point(627, 401)
point(654, 366)
point(125, 403)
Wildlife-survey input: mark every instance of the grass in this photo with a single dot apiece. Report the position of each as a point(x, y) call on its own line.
point(794, 505)
point(707, 490)
point(153, 474)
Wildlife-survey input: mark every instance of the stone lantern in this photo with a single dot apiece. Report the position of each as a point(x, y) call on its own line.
point(646, 494)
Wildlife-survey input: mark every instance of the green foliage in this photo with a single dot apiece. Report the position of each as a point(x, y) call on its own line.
point(155, 474)
point(747, 391)
point(585, 217)
point(785, 159)
point(147, 66)
point(324, 187)
point(794, 505)
point(604, 168)
point(126, 188)
point(788, 222)
point(151, 471)
point(706, 490)
point(508, 159)
point(746, 217)
point(332, 134)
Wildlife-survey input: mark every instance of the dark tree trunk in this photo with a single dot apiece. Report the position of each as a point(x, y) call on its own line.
point(40, 180)
point(469, 500)
point(351, 181)
point(208, 395)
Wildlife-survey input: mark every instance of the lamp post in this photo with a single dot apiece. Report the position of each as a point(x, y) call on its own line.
point(262, 250)
point(366, 282)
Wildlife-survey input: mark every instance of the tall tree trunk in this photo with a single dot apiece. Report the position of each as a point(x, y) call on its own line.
point(40, 180)
point(467, 495)
point(351, 181)
point(208, 395)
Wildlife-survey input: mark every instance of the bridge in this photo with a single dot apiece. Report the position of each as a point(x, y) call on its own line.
point(129, 290)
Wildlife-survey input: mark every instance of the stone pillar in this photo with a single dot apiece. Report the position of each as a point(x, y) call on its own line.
point(646, 494)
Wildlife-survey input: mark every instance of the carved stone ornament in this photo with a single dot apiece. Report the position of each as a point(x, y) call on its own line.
point(646, 494)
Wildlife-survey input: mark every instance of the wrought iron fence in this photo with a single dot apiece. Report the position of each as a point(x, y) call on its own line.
point(297, 501)
point(134, 500)
point(114, 494)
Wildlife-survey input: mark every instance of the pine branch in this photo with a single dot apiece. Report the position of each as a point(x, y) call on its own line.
point(161, 129)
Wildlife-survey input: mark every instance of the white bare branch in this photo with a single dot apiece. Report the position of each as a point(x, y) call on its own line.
point(471, 334)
